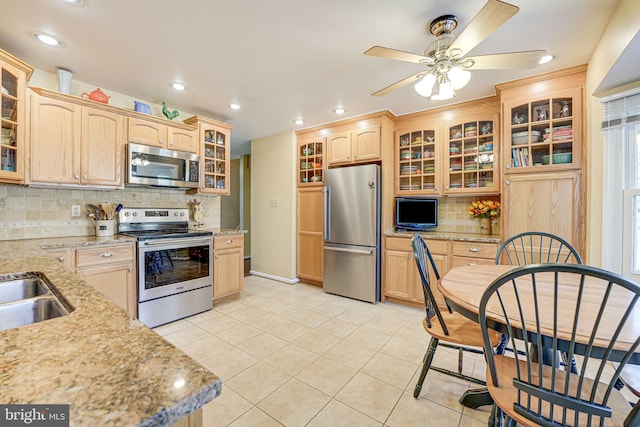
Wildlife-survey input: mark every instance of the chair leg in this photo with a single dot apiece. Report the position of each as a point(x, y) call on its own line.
point(460, 361)
point(502, 344)
point(428, 357)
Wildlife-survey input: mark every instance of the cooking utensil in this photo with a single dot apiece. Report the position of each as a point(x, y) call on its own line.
point(117, 210)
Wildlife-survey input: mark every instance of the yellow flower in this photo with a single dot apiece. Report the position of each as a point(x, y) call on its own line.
point(484, 208)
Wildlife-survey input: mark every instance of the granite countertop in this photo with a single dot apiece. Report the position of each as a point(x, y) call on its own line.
point(445, 235)
point(110, 368)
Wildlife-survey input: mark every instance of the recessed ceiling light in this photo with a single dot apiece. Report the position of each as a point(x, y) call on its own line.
point(73, 2)
point(234, 106)
point(339, 110)
point(298, 121)
point(546, 58)
point(47, 39)
point(177, 86)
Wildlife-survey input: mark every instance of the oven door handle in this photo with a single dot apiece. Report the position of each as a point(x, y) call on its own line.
point(164, 242)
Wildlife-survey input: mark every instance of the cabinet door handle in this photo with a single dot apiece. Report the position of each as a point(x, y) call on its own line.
point(228, 242)
point(77, 176)
point(160, 141)
point(171, 144)
point(472, 264)
point(474, 250)
point(130, 269)
point(61, 259)
point(507, 182)
point(85, 176)
point(508, 167)
point(106, 254)
point(216, 256)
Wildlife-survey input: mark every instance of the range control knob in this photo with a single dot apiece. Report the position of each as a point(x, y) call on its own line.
point(181, 213)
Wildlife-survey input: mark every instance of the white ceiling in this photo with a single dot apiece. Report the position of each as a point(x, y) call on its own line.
point(282, 59)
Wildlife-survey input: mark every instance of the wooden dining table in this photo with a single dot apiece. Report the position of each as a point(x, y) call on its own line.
point(462, 287)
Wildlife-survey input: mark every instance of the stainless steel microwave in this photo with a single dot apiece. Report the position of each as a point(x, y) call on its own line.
point(156, 167)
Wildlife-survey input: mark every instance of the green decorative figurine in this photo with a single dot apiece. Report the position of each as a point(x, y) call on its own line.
point(169, 114)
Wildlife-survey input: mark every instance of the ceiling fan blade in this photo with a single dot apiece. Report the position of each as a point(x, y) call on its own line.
point(524, 59)
point(385, 52)
point(411, 79)
point(490, 18)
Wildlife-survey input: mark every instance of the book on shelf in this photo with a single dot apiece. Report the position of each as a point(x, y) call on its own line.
point(520, 157)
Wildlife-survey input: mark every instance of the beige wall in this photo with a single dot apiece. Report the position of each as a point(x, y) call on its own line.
point(273, 227)
point(28, 213)
point(623, 26)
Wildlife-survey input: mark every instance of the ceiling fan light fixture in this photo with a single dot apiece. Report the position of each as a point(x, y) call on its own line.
point(445, 90)
point(458, 77)
point(424, 87)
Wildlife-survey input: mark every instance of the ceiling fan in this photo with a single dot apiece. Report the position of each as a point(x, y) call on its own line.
point(447, 65)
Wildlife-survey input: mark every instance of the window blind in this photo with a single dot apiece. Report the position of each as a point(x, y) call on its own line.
point(621, 111)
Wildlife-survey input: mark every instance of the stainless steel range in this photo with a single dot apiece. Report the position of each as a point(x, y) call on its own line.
point(175, 265)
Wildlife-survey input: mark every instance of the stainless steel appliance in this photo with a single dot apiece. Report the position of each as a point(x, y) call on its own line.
point(157, 167)
point(352, 232)
point(175, 265)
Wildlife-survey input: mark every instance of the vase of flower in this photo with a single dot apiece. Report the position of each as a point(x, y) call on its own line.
point(485, 211)
point(485, 225)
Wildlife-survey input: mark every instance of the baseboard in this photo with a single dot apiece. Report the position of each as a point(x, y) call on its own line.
point(278, 278)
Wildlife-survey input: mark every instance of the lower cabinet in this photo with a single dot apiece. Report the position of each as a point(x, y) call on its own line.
point(310, 234)
point(228, 265)
point(110, 269)
point(402, 282)
point(401, 276)
point(473, 253)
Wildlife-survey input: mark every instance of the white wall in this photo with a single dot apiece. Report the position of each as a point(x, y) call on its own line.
point(622, 27)
point(273, 227)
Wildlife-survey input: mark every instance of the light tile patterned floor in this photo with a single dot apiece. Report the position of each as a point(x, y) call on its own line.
point(293, 355)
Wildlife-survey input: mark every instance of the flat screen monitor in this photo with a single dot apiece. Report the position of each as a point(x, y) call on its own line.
point(416, 213)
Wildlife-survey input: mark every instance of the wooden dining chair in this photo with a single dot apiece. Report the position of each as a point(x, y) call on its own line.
point(534, 247)
point(454, 330)
point(542, 304)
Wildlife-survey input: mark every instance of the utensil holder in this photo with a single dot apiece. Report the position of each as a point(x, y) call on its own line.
point(105, 227)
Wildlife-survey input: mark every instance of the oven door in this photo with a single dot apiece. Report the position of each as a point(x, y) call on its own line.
point(171, 266)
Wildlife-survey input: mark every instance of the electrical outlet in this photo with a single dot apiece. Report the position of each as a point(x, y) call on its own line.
point(75, 210)
point(275, 203)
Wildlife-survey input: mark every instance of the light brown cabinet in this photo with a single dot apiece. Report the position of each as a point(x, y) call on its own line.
point(13, 121)
point(472, 156)
point(74, 144)
point(543, 177)
point(472, 253)
point(311, 161)
point(402, 279)
point(110, 269)
point(418, 160)
point(310, 245)
point(214, 140)
point(354, 146)
point(161, 133)
point(228, 265)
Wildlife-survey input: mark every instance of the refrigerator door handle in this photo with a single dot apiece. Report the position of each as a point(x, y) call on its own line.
point(327, 212)
point(353, 251)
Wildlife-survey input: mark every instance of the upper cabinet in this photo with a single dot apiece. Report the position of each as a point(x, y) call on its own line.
point(13, 77)
point(417, 156)
point(354, 146)
point(74, 142)
point(149, 130)
point(214, 141)
point(542, 124)
point(311, 161)
point(472, 155)
point(451, 150)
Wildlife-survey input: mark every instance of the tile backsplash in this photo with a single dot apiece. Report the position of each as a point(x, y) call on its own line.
point(453, 215)
point(28, 213)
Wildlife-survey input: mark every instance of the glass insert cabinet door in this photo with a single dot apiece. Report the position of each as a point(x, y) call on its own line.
point(10, 100)
point(417, 162)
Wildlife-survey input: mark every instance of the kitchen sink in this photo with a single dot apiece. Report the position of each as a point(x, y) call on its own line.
point(27, 298)
point(19, 289)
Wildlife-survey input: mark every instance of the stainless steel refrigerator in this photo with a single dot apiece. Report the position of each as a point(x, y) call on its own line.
point(352, 232)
